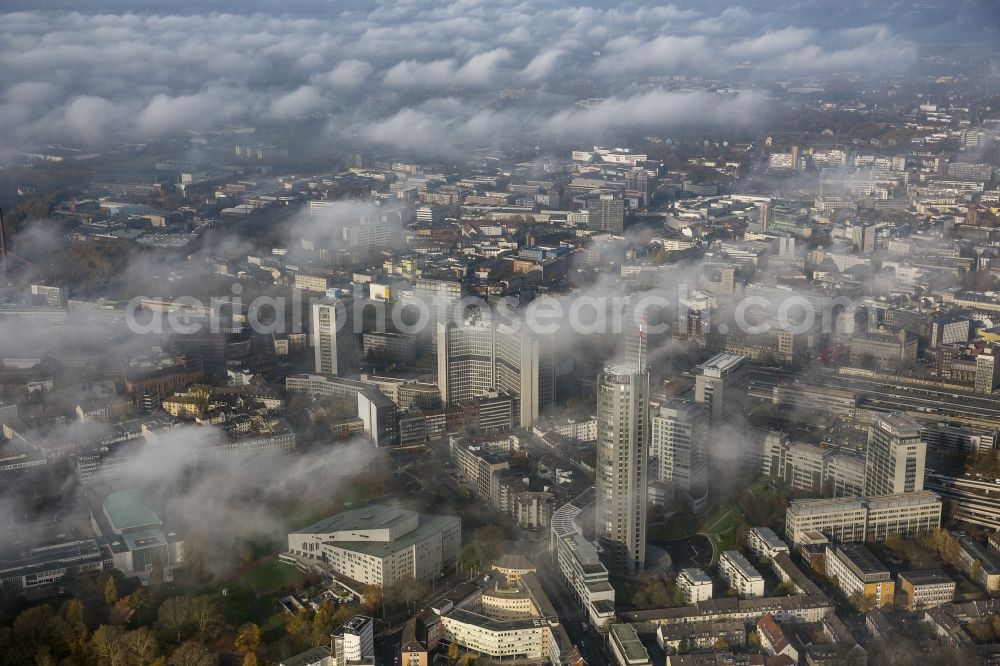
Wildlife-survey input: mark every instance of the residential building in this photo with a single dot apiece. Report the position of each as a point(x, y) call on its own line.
point(606, 213)
point(622, 450)
point(926, 589)
point(773, 641)
point(764, 543)
point(678, 440)
point(741, 575)
point(580, 565)
point(626, 648)
point(694, 584)
point(859, 575)
point(979, 563)
point(703, 638)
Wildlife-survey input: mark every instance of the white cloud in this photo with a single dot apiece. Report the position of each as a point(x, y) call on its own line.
point(86, 77)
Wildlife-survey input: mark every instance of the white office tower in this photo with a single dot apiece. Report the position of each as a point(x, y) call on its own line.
point(622, 450)
point(678, 443)
point(351, 226)
point(476, 357)
point(721, 385)
point(354, 643)
point(442, 299)
point(335, 343)
point(896, 456)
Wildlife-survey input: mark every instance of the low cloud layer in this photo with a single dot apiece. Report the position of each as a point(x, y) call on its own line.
point(126, 71)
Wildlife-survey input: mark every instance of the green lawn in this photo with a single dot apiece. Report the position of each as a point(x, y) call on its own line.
point(270, 575)
point(721, 523)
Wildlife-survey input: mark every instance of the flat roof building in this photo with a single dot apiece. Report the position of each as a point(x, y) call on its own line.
point(741, 575)
point(764, 543)
point(859, 575)
point(380, 545)
point(926, 589)
point(626, 647)
point(695, 584)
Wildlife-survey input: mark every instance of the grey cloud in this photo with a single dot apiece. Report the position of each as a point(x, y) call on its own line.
point(132, 72)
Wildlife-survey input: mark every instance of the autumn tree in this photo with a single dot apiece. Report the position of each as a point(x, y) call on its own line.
point(299, 629)
point(38, 630)
point(193, 654)
point(110, 591)
point(174, 616)
point(139, 647)
point(104, 647)
point(453, 653)
point(247, 639)
point(72, 613)
point(139, 601)
point(372, 597)
point(206, 617)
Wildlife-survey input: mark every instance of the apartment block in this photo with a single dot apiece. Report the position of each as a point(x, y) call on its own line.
point(859, 574)
point(695, 584)
point(741, 575)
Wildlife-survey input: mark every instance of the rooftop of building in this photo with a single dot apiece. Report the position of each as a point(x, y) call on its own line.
point(381, 517)
point(696, 575)
point(742, 563)
point(126, 510)
point(767, 535)
point(806, 506)
point(307, 658)
point(628, 640)
point(861, 560)
point(926, 577)
point(491, 624)
point(899, 424)
point(371, 517)
point(729, 605)
point(514, 561)
point(723, 362)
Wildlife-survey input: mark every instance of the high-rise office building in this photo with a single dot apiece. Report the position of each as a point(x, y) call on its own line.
point(430, 214)
point(622, 454)
point(441, 297)
point(988, 370)
point(678, 443)
point(335, 343)
point(721, 385)
point(351, 228)
point(637, 186)
point(896, 454)
point(606, 213)
point(477, 357)
point(864, 237)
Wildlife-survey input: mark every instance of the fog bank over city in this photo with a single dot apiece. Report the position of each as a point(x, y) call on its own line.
point(136, 73)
